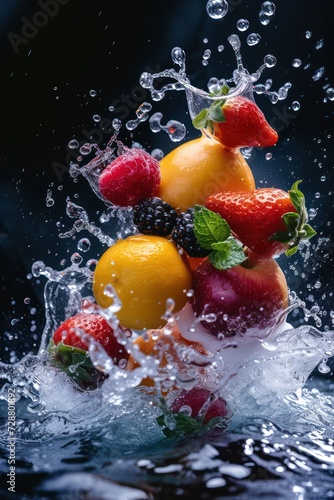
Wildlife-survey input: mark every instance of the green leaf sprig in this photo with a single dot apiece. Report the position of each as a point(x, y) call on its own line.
point(214, 113)
point(213, 233)
point(296, 223)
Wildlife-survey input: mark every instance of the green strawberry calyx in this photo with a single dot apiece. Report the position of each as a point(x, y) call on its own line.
point(76, 363)
point(296, 223)
point(214, 113)
point(214, 234)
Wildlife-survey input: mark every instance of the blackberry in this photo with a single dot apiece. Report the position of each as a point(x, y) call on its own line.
point(154, 216)
point(183, 234)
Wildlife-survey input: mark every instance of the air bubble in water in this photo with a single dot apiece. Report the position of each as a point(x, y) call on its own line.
point(330, 93)
point(84, 245)
point(295, 106)
point(93, 93)
point(253, 39)
point(243, 24)
point(73, 144)
point(217, 9)
point(268, 8)
point(97, 118)
point(268, 156)
point(296, 63)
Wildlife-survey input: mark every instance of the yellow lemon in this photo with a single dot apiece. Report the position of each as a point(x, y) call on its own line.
point(200, 168)
point(144, 271)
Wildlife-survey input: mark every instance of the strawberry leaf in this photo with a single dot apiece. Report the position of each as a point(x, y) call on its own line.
point(309, 231)
point(216, 113)
point(209, 227)
point(200, 121)
point(297, 197)
point(226, 254)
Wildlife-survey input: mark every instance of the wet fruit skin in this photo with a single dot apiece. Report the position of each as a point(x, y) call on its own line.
point(145, 271)
point(245, 296)
point(200, 168)
point(255, 216)
point(245, 125)
point(149, 344)
point(195, 399)
point(94, 325)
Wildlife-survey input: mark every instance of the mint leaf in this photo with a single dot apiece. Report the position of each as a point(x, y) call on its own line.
point(200, 121)
point(226, 254)
point(209, 227)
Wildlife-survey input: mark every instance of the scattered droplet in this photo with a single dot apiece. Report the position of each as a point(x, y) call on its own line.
point(330, 93)
point(217, 9)
point(73, 144)
point(268, 156)
point(296, 63)
point(264, 18)
point(308, 34)
point(84, 245)
point(93, 93)
point(295, 105)
point(117, 124)
point(243, 24)
point(96, 118)
point(253, 39)
point(268, 8)
point(270, 61)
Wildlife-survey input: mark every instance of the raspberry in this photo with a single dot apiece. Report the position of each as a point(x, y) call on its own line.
point(184, 235)
point(154, 216)
point(130, 178)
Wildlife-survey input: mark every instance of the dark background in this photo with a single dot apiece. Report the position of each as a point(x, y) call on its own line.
point(46, 77)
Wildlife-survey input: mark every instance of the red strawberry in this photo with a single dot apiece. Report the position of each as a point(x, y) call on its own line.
point(269, 221)
point(69, 351)
point(237, 122)
point(130, 178)
point(198, 401)
point(192, 409)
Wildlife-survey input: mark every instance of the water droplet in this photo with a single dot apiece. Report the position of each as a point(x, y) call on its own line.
point(220, 48)
point(84, 245)
point(93, 93)
point(296, 63)
point(268, 8)
point(330, 93)
point(157, 154)
point(73, 144)
point(207, 54)
point(117, 124)
point(111, 108)
point(146, 80)
point(264, 18)
point(91, 264)
point(217, 9)
point(295, 106)
point(270, 61)
point(27, 300)
point(308, 34)
point(243, 24)
point(96, 118)
point(86, 149)
point(268, 156)
point(323, 178)
point(178, 56)
point(320, 43)
point(253, 39)
point(319, 73)
point(76, 258)
point(143, 110)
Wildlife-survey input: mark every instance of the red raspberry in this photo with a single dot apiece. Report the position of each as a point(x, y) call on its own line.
point(130, 178)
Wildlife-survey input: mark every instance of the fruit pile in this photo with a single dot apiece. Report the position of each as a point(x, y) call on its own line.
point(207, 239)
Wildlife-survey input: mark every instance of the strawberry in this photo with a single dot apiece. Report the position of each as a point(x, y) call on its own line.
point(69, 351)
point(131, 177)
point(269, 221)
point(192, 410)
point(237, 122)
